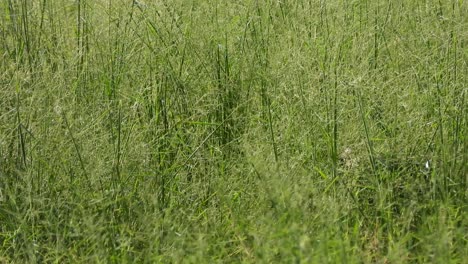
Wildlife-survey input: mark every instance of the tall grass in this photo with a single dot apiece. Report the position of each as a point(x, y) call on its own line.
point(233, 131)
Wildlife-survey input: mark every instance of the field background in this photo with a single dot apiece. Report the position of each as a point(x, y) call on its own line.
point(233, 131)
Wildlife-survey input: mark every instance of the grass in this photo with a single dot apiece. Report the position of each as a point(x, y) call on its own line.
point(233, 131)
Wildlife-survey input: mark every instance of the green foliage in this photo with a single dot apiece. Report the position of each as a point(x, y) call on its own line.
point(233, 131)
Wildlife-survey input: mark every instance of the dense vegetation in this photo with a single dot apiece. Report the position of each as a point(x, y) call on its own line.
point(255, 131)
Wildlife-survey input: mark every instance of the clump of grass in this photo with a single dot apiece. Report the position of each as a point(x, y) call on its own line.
point(246, 131)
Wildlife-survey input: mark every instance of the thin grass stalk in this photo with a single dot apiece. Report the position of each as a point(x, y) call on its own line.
point(370, 148)
point(77, 150)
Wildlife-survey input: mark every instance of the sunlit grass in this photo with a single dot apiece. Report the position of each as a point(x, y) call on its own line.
point(233, 131)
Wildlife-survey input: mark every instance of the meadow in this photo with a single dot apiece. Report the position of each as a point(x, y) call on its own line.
point(249, 131)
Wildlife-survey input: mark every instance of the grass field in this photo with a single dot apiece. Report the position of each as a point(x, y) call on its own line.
point(253, 131)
